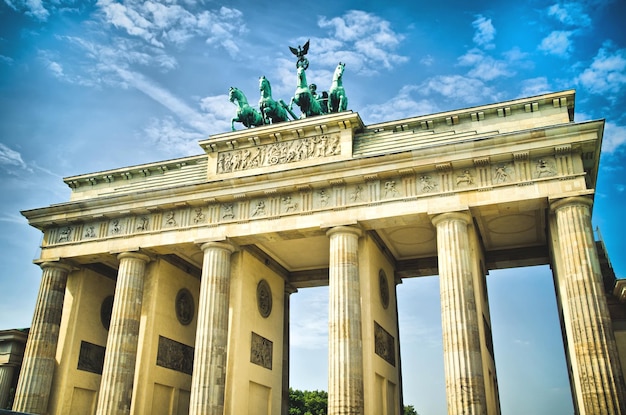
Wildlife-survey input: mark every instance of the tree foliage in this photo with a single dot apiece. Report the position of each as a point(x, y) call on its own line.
point(307, 402)
point(316, 403)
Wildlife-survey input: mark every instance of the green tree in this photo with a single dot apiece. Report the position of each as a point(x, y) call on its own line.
point(316, 403)
point(307, 402)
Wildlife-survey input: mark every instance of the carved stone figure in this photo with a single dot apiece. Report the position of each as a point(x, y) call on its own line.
point(259, 209)
point(390, 189)
point(466, 178)
point(170, 219)
point(228, 211)
point(289, 204)
point(90, 232)
point(64, 236)
point(501, 175)
point(427, 183)
point(246, 115)
point(200, 217)
point(142, 224)
point(544, 168)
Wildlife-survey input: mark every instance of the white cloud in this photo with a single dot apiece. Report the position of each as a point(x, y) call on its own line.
point(535, 86)
point(161, 23)
point(32, 8)
point(311, 314)
point(6, 60)
point(371, 37)
point(607, 72)
point(11, 158)
point(461, 89)
point(168, 135)
point(485, 32)
point(483, 66)
point(557, 43)
point(427, 60)
point(614, 137)
point(570, 13)
point(403, 105)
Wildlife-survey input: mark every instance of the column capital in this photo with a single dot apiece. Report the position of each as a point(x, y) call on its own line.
point(345, 229)
point(62, 265)
point(569, 201)
point(132, 254)
point(462, 216)
point(227, 246)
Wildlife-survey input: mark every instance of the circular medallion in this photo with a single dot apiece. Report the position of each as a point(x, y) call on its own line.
point(106, 309)
point(384, 288)
point(184, 306)
point(264, 298)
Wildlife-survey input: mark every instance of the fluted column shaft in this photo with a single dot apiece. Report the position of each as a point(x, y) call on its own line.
point(465, 387)
point(6, 377)
point(33, 388)
point(345, 344)
point(118, 374)
point(209, 366)
point(593, 342)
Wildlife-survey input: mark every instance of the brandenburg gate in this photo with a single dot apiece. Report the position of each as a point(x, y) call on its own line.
point(166, 286)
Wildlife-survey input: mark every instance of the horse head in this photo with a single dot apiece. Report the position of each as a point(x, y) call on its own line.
point(232, 94)
point(339, 71)
point(264, 86)
point(302, 78)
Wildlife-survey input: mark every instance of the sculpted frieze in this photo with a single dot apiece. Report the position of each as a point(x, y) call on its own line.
point(279, 153)
point(336, 194)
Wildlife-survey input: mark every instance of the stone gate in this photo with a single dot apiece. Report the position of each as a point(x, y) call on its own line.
point(166, 286)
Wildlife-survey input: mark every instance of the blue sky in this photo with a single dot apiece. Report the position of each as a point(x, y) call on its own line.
point(89, 86)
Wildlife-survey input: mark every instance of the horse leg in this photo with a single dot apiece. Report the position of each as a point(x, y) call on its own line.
point(232, 123)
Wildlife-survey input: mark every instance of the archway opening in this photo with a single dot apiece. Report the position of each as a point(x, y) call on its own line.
point(528, 345)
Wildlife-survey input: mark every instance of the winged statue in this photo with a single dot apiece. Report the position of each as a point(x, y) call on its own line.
point(300, 52)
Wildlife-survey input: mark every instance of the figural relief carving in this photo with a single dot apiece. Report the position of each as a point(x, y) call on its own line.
point(289, 205)
point(65, 234)
point(279, 153)
point(390, 189)
point(427, 184)
point(142, 223)
point(199, 216)
point(384, 344)
point(90, 232)
point(502, 173)
point(465, 178)
point(261, 351)
point(545, 168)
point(259, 209)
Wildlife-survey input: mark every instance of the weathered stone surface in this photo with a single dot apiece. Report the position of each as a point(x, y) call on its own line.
point(116, 386)
point(345, 356)
point(33, 388)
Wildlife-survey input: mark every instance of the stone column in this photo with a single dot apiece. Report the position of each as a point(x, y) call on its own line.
point(33, 388)
point(286, 321)
point(118, 373)
point(345, 344)
point(6, 378)
point(465, 386)
point(598, 376)
point(209, 364)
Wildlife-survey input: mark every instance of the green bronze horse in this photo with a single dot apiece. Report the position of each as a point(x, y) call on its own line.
point(272, 111)
point(303, 97)
point(338, 100)
point(246, 115)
